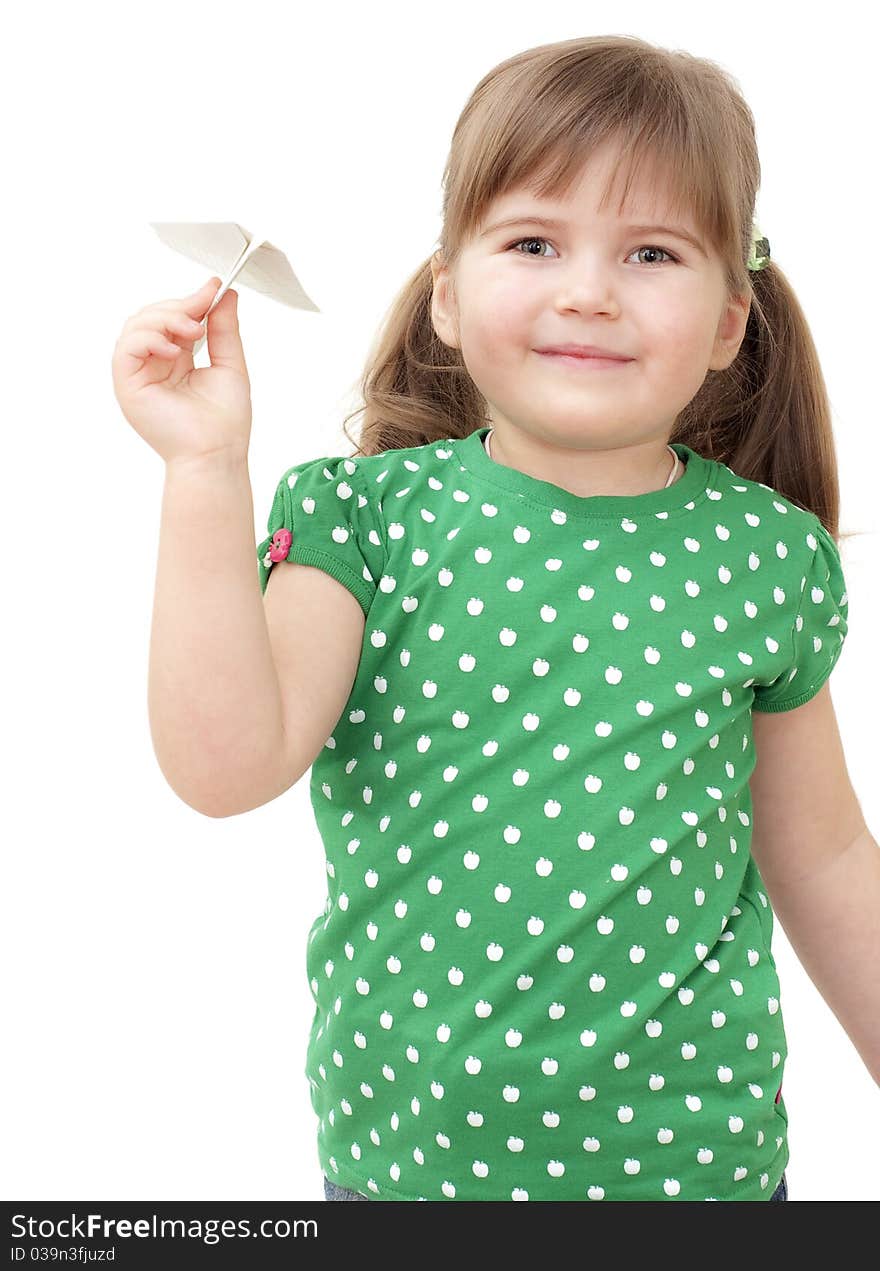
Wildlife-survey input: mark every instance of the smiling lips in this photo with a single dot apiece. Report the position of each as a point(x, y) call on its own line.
point(585, 351)
point(585, 362)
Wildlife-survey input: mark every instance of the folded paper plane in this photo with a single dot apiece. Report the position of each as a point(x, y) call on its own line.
point(233, 253)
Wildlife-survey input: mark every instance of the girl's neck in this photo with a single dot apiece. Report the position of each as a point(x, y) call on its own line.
point(676, 471)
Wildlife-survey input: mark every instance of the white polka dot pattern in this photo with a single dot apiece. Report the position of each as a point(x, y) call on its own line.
point(544, 967)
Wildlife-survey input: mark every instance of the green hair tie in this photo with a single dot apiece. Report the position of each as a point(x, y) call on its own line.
point(759, 256)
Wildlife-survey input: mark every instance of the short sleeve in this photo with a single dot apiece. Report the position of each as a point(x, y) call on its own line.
point(819, 630)
point(321, 515)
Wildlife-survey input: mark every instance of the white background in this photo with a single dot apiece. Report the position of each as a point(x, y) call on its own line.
point(155, 992)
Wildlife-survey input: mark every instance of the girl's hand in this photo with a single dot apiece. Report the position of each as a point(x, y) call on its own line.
point(184, 413)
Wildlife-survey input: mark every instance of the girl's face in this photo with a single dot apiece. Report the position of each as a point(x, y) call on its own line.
point(587, 280)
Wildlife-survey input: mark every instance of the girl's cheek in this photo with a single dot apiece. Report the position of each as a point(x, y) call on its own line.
point(508, 319)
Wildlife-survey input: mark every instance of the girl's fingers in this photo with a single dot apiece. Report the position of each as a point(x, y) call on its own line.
point(142, 344)
point(147, 332)
point(169, 320)
point(198, 302)
point(186, 325)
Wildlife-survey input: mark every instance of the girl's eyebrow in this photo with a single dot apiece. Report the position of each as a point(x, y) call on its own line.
point(548, 222)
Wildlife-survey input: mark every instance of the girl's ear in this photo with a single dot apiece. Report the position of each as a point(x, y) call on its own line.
point(731, 332)
point(442, 305)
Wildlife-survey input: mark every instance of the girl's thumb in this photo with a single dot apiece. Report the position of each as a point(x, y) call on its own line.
point(224, 339)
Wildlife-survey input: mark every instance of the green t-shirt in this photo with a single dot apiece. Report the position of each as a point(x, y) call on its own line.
point(544, 968)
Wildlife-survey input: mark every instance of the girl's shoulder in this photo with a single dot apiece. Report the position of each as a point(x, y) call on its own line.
point(415, 463)
point(777, 512)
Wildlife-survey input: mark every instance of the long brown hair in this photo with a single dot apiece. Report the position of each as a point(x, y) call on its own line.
point(534, 120)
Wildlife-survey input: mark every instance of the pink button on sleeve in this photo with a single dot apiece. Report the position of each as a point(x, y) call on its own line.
point(281, 541)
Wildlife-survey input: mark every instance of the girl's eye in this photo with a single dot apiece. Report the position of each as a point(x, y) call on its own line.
point(647, 246)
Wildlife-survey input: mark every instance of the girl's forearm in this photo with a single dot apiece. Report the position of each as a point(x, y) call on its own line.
point(832, 921)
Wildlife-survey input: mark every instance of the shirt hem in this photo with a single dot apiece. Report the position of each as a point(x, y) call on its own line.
point(336, 569)
point(790, 702)
point(355, 1184)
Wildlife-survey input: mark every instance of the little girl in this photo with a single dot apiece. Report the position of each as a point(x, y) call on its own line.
point(519, 639)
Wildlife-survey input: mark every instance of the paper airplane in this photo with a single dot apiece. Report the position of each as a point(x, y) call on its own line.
point(233, 253)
